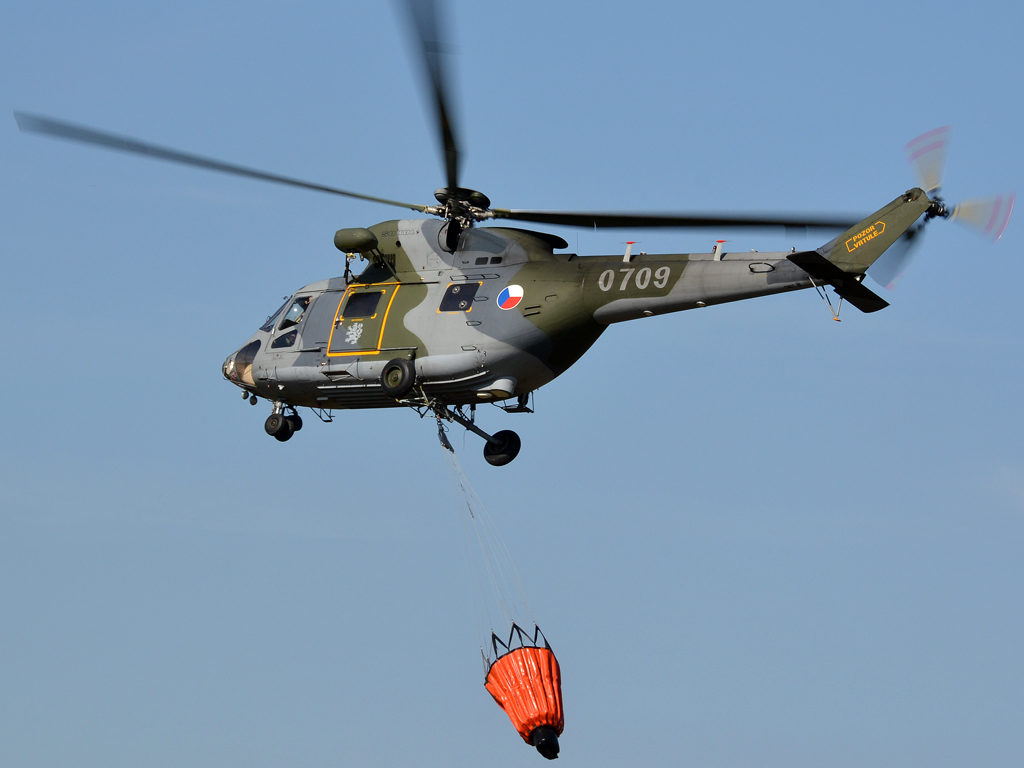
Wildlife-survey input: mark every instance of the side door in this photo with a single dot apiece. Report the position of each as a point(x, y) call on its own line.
point(359, 322)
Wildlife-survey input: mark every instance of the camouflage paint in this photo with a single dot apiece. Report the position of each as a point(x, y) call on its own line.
point(567, 302)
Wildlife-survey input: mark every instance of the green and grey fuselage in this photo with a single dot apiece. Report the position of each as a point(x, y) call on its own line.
point(328, 344)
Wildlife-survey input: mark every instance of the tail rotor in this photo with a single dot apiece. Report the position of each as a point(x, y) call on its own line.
point(892, 264)
point(986, 216)
point(927, 156)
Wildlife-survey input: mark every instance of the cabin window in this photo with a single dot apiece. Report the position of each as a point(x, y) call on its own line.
point(495, 259)
point(295, 312)
point(480, 261)
point(362, 304)
point(285, 340)
point(459, 297)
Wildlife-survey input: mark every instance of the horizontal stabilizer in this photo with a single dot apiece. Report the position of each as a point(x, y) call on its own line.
point(847, 284)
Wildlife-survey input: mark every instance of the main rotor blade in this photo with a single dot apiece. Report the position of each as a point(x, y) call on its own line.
point(426, 26)
point(668, 220)
point(60, 129)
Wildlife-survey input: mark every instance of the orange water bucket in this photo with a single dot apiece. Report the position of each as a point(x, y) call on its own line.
point(527, 684)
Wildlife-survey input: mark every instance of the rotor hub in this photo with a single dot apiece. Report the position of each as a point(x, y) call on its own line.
point(937, 209)
point(457, 195)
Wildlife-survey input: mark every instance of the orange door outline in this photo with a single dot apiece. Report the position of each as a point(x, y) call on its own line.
point(339, 319)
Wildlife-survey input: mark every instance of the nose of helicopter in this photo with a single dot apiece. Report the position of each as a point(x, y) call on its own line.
point(228, 368)
point(238, 367)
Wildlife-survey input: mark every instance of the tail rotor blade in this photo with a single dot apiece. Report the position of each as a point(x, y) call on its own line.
point(989, 216)
point(927, 155)
point(892, 264)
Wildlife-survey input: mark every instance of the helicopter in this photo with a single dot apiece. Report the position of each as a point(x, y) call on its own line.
point(448, 314)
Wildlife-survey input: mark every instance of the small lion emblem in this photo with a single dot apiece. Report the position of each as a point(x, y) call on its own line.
point(353, 332)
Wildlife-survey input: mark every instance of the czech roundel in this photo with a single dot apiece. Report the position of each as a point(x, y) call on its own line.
point(510, 297)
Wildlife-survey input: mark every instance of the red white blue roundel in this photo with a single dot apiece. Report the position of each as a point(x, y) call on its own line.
point(510, 297)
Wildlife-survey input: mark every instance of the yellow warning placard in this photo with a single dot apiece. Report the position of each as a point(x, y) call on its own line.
point(865, 236)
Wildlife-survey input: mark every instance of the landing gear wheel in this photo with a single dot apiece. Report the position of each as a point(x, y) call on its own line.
point(296, 422)
point(498, 455)
point(278, 426)
point(397, 378)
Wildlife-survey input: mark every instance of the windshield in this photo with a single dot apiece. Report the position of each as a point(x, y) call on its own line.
point(267, 326)
point(295, 312)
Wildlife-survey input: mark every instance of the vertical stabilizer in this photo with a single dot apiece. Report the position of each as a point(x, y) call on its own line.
point(858, 247)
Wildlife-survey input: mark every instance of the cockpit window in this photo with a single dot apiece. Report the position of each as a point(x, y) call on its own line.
point(294, 313)
point(269, 325)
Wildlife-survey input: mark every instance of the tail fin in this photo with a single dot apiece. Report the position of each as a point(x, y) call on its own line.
point(843, 261)
point(860, 246)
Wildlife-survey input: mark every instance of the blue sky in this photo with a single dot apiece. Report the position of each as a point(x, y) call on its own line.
point(752, 535)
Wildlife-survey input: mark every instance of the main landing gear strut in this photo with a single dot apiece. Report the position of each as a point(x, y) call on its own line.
point(501, 447)
point(280, 425)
